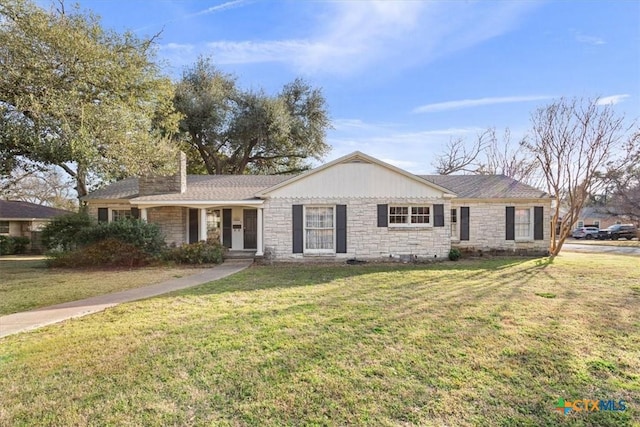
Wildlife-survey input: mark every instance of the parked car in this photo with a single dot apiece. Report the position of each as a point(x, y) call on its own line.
point(585, 233)
point(619, 231)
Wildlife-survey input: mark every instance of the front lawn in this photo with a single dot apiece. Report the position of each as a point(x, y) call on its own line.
point(26, 283)
point(487, 342)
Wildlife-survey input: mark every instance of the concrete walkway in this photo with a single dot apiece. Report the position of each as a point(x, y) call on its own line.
point(25, 321)
point(604, 249)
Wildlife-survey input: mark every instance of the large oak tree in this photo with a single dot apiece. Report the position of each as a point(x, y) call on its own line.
point(235, 131)
point(77, 96)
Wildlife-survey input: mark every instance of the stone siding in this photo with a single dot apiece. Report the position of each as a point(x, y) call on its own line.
point(487, 228)
point(172, 220)
point(365, 240)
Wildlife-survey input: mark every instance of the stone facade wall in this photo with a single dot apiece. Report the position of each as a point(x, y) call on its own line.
point(172, 220)
point(149, 185)
point(487, 228)
point(365, 240)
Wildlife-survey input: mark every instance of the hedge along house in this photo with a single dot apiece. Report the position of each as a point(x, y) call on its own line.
point(353, 207)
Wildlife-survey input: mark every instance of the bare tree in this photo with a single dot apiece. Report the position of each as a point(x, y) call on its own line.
point(622, 182)
point(572, 141)
point(457, 157)
point(40, 186)
point(488, 155)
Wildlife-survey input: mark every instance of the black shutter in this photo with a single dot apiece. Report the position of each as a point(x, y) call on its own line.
point(538, 223)
point(226, 228)
point(298, 229)
point(511, 223)
point(464, 223)
point(341, 229)
point(438, 215)
point(103, 215)
point(135, 213)
point(383, 219)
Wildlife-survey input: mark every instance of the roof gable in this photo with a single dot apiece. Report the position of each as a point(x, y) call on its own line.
point(356, 175)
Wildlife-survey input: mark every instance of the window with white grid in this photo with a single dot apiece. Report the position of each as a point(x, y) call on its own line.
point(319, 225)
point(522, 224)
point(409, 215)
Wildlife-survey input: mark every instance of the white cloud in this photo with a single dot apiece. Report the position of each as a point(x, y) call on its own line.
point(613, 99)
point(469, 103)
point(351, 36)
point(246, 52)
point(217, 8)
point(586, 39)
point(410, 150)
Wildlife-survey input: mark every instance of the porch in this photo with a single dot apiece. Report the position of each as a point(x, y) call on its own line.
point(238, 228)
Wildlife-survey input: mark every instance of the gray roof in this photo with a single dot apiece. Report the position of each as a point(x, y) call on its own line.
point(24, 210)
point(244, 187)
point(199, 187)
point(596, 213)
point(485, 186)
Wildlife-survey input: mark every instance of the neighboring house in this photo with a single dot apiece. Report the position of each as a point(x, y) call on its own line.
point(353, 207)
point(24, 219)
point(599, 217)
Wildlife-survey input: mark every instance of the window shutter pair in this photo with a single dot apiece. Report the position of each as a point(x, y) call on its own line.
point(538, 223)
point(297, 212)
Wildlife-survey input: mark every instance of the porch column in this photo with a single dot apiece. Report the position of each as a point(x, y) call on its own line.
point(143, 214)
point(203, 224)
point(259, 244)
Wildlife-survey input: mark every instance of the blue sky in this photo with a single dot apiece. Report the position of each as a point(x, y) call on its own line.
point(403, 77)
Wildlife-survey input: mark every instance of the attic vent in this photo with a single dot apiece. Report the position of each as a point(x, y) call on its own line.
point(358, 161)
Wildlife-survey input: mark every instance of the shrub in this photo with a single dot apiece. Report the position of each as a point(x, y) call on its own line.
point(10, 245)
point(62, 232)
point(454, 254)
point(6, 245)
point(20, 245)
point(109, 252)
point(209, 252)
point(147, 237)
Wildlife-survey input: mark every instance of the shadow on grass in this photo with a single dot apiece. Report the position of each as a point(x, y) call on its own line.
point(351, 340)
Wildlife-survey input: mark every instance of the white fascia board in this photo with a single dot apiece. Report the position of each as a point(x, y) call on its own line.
point(195, 203)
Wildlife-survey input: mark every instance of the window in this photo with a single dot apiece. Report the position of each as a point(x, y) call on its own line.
point(596, 223)
point(409, 215)
point(522, 224)
point(420, 215)
point(319, 229)
point(120, 214)
point(398, 214)
point(454, 223)
point(580, 224)
point(4, 227)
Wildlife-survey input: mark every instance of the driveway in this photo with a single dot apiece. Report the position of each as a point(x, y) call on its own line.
point(602, 249)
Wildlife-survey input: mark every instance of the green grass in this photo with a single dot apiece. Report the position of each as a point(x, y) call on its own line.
point(460, 344)
point(26, 283)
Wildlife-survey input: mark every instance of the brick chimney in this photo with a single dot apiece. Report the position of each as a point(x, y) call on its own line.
point(150, 185)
